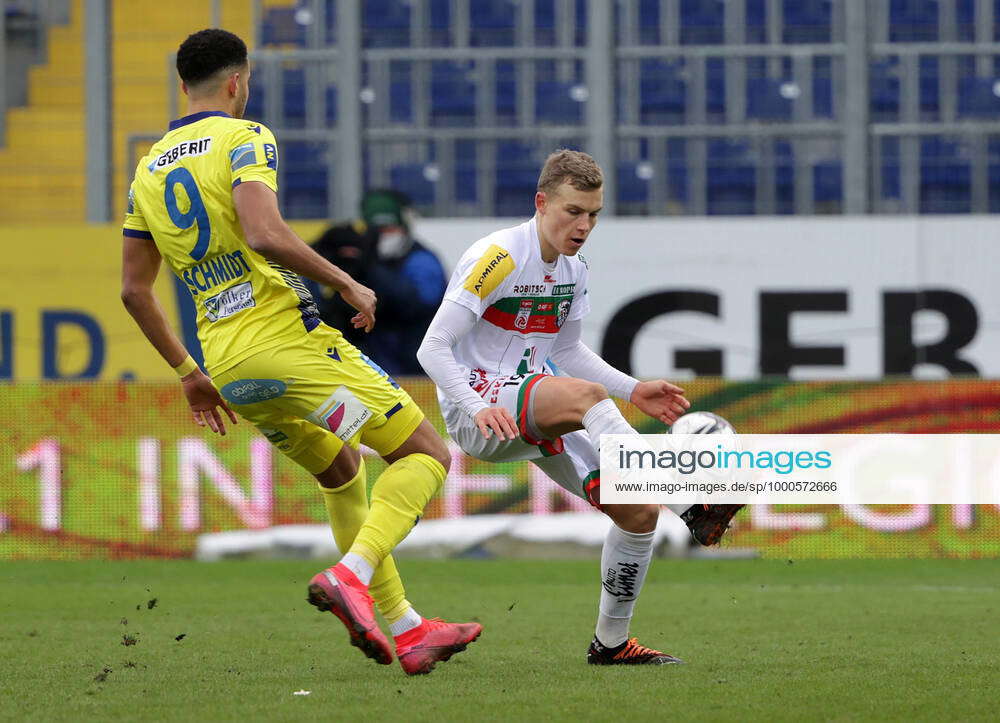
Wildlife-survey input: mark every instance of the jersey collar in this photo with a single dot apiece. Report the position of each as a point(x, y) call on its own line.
point(195, 117)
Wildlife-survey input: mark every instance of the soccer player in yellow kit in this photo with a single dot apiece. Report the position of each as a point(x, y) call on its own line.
point(204, 199)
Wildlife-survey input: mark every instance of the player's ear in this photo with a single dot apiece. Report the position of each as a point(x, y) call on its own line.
point(184, 88)
point(234, 85)
point(540, 201)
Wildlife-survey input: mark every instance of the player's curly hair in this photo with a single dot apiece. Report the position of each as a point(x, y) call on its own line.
point(576, 167)
point(207, 52)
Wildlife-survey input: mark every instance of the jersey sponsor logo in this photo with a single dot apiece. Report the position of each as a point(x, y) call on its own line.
point(493, 267)
point(215, 270)
point(231, 301)
point(271, 155)
point(523, 314)
point(242, 156)
point(529, 288)
point(250, 391)
point(563, 289)
point(563, 312)
point(550, 279)
point(276, 437)
point(186, 149)
point(545, 306)
point(342, 413)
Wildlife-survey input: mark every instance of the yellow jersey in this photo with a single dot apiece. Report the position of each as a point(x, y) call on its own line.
point(182, 199)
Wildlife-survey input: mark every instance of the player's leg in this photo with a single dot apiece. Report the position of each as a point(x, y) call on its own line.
point(404, 438)
point(625, 556)
point(554, 406)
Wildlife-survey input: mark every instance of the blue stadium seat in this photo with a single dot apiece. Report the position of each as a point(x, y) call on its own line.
point(806, 21)
point(715, 88)
point(505, 106)
point(756, 21)
point(466, 180)
point(828, 182)
point(765, 102)
point(516, 178)
point(410, 179)
point(976, 98)
point(662, 92)
point(993, 170)
point(784, 178)
point(631, 188)
point(883, 89)
point(554, 104)
point(912, 21)
point(385, 23)
point(304, 179)
point(822, 88)
point(492, 23)
point(702, 22)
point(732, 179)
point(453, 94)
point(945, 177)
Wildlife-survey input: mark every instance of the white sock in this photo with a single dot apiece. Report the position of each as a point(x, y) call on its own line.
point(411, 619)
point(624, 562)
point(605, 418)
point(359, 566)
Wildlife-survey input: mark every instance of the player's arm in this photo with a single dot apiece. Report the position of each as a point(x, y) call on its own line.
point(267, 233)
point(449, 326)
point(658, 398)
point(140, 265)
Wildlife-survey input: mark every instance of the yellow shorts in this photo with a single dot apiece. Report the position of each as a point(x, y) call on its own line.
point(312, 396)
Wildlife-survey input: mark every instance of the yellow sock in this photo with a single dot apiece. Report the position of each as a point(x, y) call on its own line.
point(398, 499)
point(347, 507)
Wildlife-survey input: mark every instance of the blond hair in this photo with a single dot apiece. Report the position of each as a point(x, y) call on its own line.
point(575, 167)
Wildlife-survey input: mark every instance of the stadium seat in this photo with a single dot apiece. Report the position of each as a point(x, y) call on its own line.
point(492, 23)
point(410, 178)
point(715, 88)
point(945, 177)
point(516, 178)
point(977, 99)
point(385, 23)
point(304, 179)
point(555, 104)
point(702, 22)
point(806, 21)
point(631, 187)
point(883, 89)
point(765, 101)
point(662, 92)
point(453, 94)
point(913, 21)
point(466, 179)
point(828, 182)
point(731, 177)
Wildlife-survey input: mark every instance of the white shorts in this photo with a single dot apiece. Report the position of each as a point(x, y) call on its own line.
point(570, 461)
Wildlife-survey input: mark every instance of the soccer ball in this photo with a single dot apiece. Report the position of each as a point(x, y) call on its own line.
point(702, 423)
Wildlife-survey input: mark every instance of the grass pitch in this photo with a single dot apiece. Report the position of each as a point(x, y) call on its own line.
point(764, 640)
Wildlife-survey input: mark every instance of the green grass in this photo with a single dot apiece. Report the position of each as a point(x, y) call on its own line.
point(764, 640)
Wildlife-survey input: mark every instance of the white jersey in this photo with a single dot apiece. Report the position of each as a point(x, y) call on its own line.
point(521, 301)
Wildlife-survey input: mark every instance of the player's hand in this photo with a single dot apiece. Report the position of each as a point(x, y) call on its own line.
point(363, 299)
point(498, 421)
point(204, 400)
point(660, 400)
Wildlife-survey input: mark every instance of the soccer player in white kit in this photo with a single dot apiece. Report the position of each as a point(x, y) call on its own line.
point(513, 309)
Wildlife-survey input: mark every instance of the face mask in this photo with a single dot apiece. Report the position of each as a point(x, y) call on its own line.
point(393, 244)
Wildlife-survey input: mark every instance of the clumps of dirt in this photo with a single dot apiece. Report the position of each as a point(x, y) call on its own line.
point(130, 639)
point(103, 675)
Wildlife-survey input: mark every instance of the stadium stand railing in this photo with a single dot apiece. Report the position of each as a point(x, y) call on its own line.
point(694, 106)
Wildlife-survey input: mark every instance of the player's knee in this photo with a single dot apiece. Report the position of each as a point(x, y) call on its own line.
point(634, 518)
point(439, 451)
point(342, 469)
point(586, 394)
